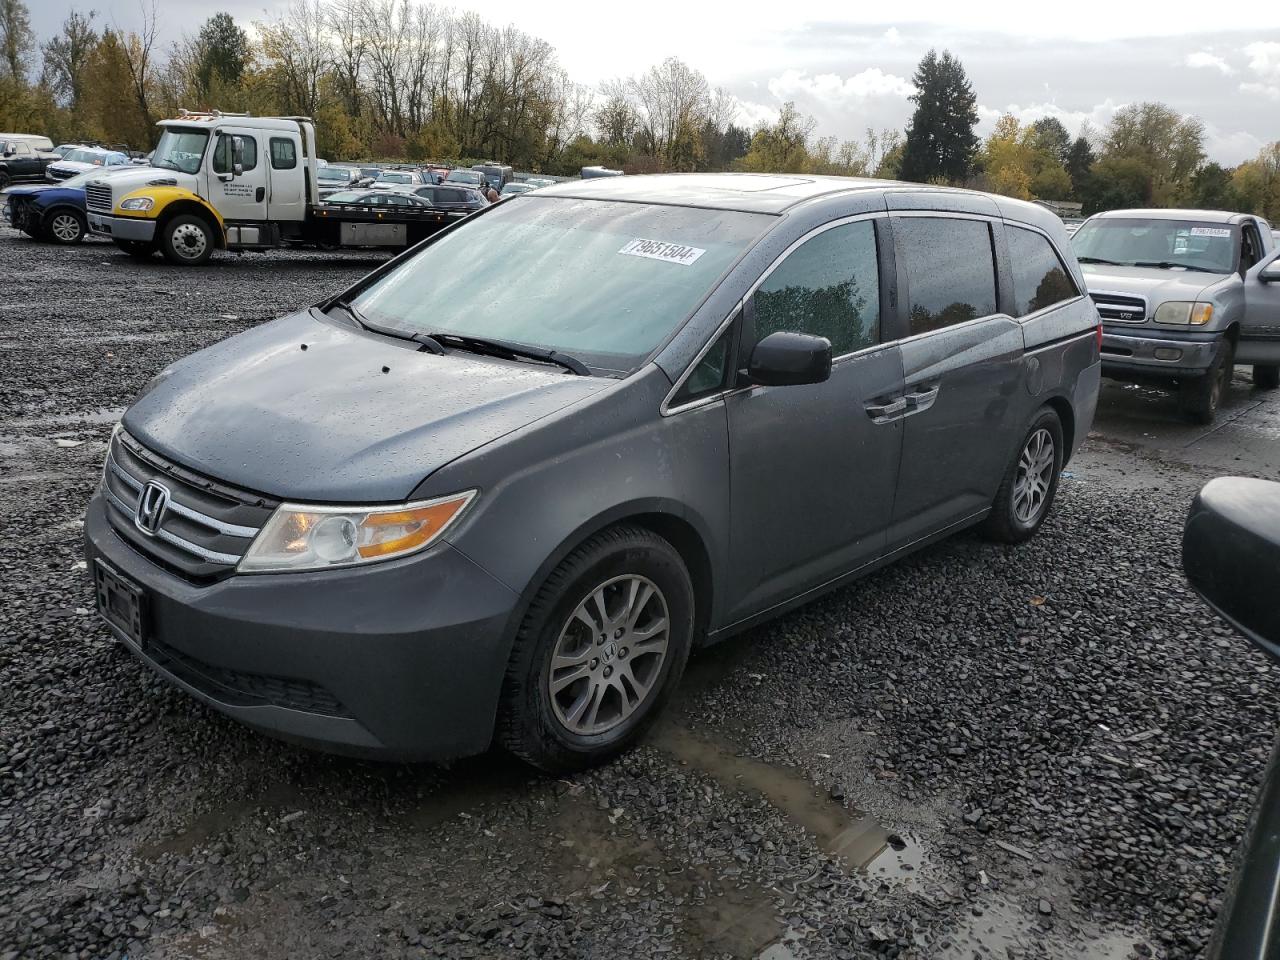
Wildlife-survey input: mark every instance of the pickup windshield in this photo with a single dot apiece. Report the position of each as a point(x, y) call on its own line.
point(601, 281)
point(180, 149)
point(340, 174)
point(1163, 244)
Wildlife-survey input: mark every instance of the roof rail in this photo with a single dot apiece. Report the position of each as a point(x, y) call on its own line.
point(210, 113)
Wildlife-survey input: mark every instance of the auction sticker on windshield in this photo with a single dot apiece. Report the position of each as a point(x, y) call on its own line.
point(1211, 231)
point(661, 250)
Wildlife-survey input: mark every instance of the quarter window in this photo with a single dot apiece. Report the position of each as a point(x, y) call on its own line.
point(284, 156)
point(829, 286)
point(1039, 278)
point(950, 270)
point(708, 376)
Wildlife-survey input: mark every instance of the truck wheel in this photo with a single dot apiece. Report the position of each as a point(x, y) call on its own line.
point(1201, 397)
point(138, 249)
point(186, 240)
point(602, 647)
point(1266, 376)
point(65, 227)
point(1030, 483)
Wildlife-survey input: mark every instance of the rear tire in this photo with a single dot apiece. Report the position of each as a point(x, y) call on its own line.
point(138, 249)
point(186, 240)
point(1266, 376)
point(65, 227)
point(1030, 484)
point(601, 649)
point(1201, 397)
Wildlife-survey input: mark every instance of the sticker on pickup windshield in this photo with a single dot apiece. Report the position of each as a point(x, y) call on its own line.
point(1210, 231)
point(661, 250)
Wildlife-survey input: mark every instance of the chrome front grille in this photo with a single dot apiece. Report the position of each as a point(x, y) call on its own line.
point(203, 528)
point(1120, 308)
point(97, 196)
point(58, 174)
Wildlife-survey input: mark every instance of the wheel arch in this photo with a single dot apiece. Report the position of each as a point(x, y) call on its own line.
point(1060, 405)
point(177, 208)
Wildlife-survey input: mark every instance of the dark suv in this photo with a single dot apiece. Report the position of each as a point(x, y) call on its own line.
point(21, 161)
point(501, 486)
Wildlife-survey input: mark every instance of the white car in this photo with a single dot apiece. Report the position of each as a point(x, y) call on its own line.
point(82, 160)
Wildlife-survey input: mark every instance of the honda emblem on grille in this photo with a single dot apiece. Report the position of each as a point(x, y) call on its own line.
point(152, 504)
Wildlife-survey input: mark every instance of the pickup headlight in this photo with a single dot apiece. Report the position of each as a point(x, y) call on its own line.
point(1184, 312)
point(137, 203)
point(307, 537)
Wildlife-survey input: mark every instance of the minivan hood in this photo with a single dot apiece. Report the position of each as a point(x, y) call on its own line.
point(1156, 285)
point(352, 418)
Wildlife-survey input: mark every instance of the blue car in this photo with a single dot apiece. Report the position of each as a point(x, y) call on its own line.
point(51, 211)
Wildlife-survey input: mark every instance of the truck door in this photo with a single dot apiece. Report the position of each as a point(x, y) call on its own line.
point(239, 196)
point(285, 172)
point(1260, 331)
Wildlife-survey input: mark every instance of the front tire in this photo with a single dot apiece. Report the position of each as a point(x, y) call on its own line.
point(601, 649)
point(1030, 484)
point(186, 240)
point(1266, 376)
point(1201, 397)
point(65, 227)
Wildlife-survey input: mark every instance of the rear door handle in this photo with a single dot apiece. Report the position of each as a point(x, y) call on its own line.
point(921, 398)
point(884, 412)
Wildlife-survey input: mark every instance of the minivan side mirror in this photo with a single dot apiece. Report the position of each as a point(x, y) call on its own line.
point(1231, 549)
point(785, 358)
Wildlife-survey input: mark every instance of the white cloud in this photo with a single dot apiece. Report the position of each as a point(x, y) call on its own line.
point(1097, 116)
point(1264, 61)
point(800, 86)
point(892, 37)
point(1203, 59)
point(1230, 148)
point(752, 115)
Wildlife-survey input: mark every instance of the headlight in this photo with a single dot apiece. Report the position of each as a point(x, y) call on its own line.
point(306, 537)
point(1184, 312)
point(137, 203)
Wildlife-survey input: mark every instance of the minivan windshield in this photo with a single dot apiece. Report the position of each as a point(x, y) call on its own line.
point(180, 149)
point(1165, 244)
point(601, 281)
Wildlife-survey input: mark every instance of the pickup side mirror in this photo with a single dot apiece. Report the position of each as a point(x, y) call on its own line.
point(1231, 555)
point(237, 156)
point(785, 359)
point(1270, 273)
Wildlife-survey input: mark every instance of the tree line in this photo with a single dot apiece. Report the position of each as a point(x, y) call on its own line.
point(395, 80)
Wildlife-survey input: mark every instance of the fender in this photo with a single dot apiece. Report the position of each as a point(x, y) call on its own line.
point(165, 201)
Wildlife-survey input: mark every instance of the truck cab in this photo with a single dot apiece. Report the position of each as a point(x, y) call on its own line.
point(1183, 296)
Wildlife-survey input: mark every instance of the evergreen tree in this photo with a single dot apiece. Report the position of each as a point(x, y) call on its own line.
point(1211, 189)
point(1048, 134)
point(940, 142)
point(223, 52)
point(1080, 158)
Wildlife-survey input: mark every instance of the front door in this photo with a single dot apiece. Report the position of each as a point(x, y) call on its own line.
point(813, 468)
point(239, 197)
point(1260, 331)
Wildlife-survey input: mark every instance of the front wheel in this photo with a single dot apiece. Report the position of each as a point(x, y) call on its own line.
point(602, 647)
point(65, 227)
point(138, 249)
point(1030, 483)
point(1266, 376)
point(186, 240)
point(1201, 397)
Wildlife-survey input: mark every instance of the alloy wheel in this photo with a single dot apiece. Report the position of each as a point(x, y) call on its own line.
point(65, 227)
point(1034, 477)
point(609, 655)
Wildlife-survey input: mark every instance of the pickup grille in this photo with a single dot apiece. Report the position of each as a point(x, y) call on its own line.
point(97, 196)
point(205, 528)
point(1120, 308)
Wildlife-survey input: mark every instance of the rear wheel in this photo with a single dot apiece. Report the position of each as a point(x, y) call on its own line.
point(138, 249)
point(602, 647)
point(1030, 483)
point(186, 240)
point(1266, 376)
point(65, 226)
point(4, 181)
point(1201, 397)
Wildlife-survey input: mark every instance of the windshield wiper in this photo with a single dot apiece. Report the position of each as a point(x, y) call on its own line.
point(429, 343)
point(165, 163)
point(513, 351)
point(1170, 265)
point(1109, 263)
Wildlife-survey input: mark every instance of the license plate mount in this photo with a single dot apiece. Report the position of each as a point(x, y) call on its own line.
point(121, 602)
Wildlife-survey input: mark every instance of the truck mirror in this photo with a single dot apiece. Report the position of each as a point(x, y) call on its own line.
point(237, 156)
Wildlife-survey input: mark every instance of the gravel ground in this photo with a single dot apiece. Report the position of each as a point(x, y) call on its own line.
point(1047, 751)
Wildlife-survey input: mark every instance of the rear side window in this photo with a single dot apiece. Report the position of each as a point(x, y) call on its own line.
point(284, 156)
point(1039, 278)
point(950, 270)
point(829, 286)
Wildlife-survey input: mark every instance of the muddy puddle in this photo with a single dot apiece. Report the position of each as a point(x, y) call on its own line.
point(859, 840)
point(220, 820)
point(1006, 929)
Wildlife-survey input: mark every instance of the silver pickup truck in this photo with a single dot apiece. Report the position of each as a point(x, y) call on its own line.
point(1184, 295)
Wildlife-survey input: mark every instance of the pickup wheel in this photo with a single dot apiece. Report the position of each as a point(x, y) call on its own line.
point(600, 650)
point(1030, 483)
point(1266, 376)
point(4, 180)
point(1201, 397)
point(138, 249)
point(65, 226)
point(186, 240)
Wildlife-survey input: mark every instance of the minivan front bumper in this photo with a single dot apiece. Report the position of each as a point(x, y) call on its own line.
point(1153, 352)
point(400, 660)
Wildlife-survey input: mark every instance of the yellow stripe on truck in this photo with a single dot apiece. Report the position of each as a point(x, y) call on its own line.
point(162, 197)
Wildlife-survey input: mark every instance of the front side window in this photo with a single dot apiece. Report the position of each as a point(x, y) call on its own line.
point(222, 153)
point(1039, 278)
point(1157, 243)
point(284, 156)
point(829, 286)
point(180, 149)
point(950, 270)
point(603, 281)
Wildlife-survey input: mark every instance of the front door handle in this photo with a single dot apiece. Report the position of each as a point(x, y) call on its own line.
point(884, 412)
point(260, 194)
point(921, 398)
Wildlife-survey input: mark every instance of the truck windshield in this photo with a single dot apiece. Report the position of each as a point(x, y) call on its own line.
point(601, 281)
point(180, 149)
point(1165, 244)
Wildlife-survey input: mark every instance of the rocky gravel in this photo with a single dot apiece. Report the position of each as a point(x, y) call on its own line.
point(1045, 751)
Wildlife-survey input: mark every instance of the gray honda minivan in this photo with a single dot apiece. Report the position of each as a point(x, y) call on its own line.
point(429, 514)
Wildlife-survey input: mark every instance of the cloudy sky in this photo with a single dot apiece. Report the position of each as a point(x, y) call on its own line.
point(1077, 61)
